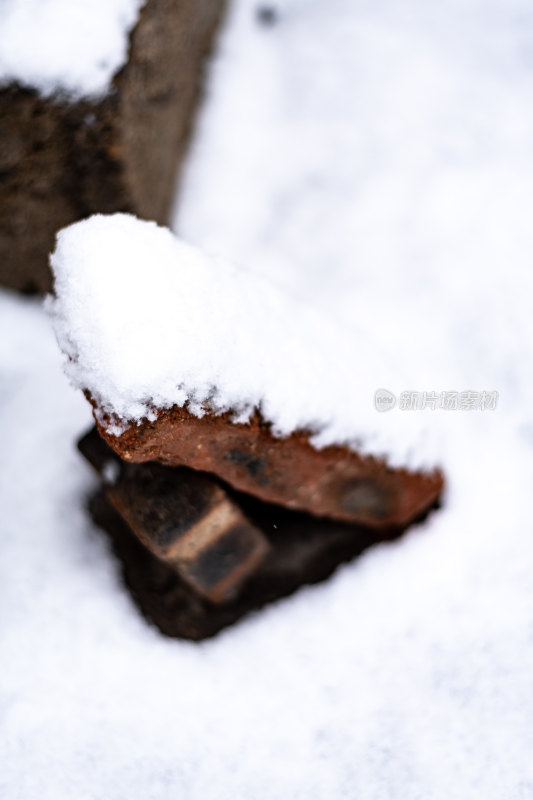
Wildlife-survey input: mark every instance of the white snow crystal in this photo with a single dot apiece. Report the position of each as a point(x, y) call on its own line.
point(65, 47)
point(148, 321)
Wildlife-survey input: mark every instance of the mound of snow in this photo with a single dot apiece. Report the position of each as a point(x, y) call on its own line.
point(147, 322)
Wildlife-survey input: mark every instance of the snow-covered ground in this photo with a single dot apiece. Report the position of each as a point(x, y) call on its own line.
point(377, 159)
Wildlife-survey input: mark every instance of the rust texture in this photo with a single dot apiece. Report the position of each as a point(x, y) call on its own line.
point(333, 482)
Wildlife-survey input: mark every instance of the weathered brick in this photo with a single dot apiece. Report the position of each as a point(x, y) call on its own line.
point(333, 482)
point(186, 519)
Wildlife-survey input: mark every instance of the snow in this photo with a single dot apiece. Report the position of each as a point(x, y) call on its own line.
point(147, 322)
point(383, 172)
point(59, 47)
point(408, 674)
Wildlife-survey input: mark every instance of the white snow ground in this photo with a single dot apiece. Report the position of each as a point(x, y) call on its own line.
point(409, 674)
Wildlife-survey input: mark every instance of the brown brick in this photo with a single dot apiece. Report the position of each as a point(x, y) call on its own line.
point(333, 482)
point(302, 549)
point(187, 520)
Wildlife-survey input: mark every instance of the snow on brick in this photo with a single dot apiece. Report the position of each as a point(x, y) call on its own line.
point(64, 47)
point(148, 321)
